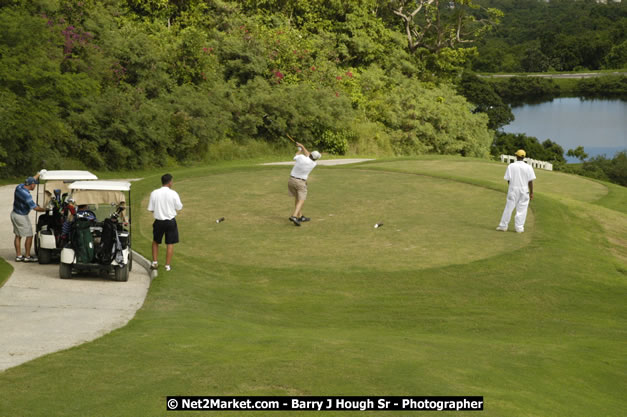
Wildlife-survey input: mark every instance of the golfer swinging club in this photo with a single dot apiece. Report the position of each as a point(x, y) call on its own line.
point(297, 185)
point(520, 177)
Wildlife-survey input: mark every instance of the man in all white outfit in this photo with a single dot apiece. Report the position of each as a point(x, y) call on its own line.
point(520, 177)
point(164, 203)
point(297, 184)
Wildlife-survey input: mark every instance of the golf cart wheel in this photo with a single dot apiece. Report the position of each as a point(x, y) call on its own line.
point(130, 261)
point(45, 256)
point(121, 273)
point(65, 270)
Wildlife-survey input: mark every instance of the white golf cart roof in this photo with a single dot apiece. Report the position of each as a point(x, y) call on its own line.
point(101, 185)
point(65, 175)
point(99, 192)
point(59, 180)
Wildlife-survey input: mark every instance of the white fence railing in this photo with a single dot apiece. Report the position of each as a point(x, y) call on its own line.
point(533, 162)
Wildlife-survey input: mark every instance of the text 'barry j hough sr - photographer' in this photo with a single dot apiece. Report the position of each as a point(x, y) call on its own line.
point(326, 403)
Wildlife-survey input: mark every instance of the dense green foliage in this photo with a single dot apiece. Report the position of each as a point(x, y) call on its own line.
point(578, 153)
point(509, 143)
point(529, 89)
point(525, 89)
point(484, 95)
point(603, 168)
point(608, 86)
point(560, 35)
point(123, 84)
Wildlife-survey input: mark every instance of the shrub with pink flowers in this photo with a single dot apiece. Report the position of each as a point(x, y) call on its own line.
point(119, 85)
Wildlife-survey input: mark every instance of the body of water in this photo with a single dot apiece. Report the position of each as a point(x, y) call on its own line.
point(600, 126)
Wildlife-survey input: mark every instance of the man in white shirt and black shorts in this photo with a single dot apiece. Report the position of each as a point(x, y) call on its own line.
point(164, 203)
point(520, 177)
point(297, 185)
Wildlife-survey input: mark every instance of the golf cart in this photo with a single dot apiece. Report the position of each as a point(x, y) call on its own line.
point(100, 233)
point(52, 192)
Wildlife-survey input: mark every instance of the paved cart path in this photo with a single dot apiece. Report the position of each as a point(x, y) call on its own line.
point(569, 75)
point(41, 313)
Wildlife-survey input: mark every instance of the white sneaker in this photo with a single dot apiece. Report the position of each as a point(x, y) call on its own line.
point(520, 230)
point(501, 229)
point(168, 268)
point(154, 265)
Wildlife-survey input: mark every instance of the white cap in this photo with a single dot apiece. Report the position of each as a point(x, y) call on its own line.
point(315, 155)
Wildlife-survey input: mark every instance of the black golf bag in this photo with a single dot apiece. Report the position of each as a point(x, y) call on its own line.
point(110, 246)
point(82, 240)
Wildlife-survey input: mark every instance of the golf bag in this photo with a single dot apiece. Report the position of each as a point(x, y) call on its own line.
point(110, 245)
point(51, 223)
point(82, 240)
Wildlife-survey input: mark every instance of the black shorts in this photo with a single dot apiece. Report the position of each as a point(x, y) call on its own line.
point(167, 228)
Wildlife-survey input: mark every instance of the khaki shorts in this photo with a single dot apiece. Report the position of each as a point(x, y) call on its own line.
point(22, 226)
point(297, 188)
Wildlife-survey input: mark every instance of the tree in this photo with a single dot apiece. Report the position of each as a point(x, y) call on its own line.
point(435, 25)
point(617, 58)
point(562, 35)
point(601, 167)
point(120, 84)
point(534, 60)
point(577, 153)
point(164, 10)
point(481, 94)
point(553, 152)
point(509, 143)
point(519, 89)
point(35, 95)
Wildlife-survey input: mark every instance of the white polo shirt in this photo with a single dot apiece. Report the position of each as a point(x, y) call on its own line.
point(303, 167)
point(519, 174)
point(164, 202)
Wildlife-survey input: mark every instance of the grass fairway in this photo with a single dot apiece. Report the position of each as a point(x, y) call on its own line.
point(433, 303)
point(5, 271)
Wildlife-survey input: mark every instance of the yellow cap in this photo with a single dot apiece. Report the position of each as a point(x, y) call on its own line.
point(521, 153)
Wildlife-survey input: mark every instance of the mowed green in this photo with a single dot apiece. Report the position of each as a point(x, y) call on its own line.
point(256, 306)
point(426, 222)
point(556, 184)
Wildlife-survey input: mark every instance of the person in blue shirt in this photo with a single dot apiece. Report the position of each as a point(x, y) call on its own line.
point(22, 205)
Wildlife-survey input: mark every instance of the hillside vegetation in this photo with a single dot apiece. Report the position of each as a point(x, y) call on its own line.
point(124, 84)
point(559, 35)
